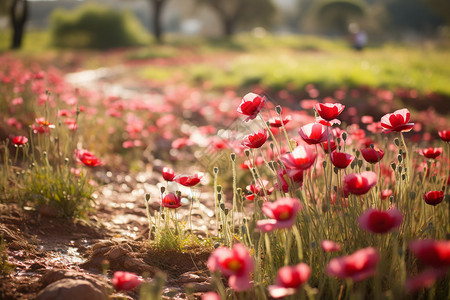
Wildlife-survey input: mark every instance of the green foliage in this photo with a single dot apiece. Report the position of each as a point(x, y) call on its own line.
point(278, 62)
point(95, 26)
point(5, 266)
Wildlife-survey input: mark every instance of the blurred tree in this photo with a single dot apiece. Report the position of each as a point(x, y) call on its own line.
point(336, 15)
point(415, 14)
point(441, 7)
point(157, 9)
point(233, 13)
point(17, 10)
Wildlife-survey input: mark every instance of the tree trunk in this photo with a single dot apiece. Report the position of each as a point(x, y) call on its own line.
point(228, 27)
point(18, 16)
point(157, 12)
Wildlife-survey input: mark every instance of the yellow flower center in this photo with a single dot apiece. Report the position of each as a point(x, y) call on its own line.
point(234, 265)
point(284, 215)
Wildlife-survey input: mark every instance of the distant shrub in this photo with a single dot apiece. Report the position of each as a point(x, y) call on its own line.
point(95, 26)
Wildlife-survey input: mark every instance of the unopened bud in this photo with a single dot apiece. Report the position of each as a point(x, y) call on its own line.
point(278, 109)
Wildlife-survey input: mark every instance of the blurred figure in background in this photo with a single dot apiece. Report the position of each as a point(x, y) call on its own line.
point(358, 37)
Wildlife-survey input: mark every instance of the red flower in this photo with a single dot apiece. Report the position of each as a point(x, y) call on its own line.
point(357, 266)
point(433, 197)
point(168, 174)
point(249, 164)
point(282, 214)
point(326, 148)
point(327, 123)
point(181, 142)
point(372, 155)
point(431, 152)
point(88, 158)
point(171, 200)
point(397, 121)
point(432, 253)
point(330, 246)
point(445, 135)
point(286, 177)
point(43, 126)
point(313, 133)
point(188, 180)
point(257, 189)
point(255, 139)
point(210, 296)
point(425, 279)
point(251, 105)
point(301, 158)
point(386, 193)
point(125, 281)
point(20, 140)
point(378, 221)
point(329, 111)
point(341, 160)
point(235, 263)
point(289, 280)
point(276, 122)
point(360, 184)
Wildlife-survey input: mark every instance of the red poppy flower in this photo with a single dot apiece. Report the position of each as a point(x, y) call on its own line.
point(313, 133)
point(171, 200)
point(329, 111)
point(251, 105)
point(327, 123)
point(249, 164)
point(433, 197)
point(397, 121)
point(301, 158)
point(386, 194)
point(378, 221)
point(445, 135)
point(425, 279)
point(326, 148)
point(42, 126)
point(125, 281)
point(276, 122)
point(286, 177)
point(357, 266)
point(341, 160)
point(20, 140)
point(431, 152)
point(236, 263)
point(188, 180)
point(432, 253)
point(360, 184)
point(181, 142)
point(330, 246)
point(168, 174)
point(289, 280)
point(257, 189)
point(88, 159)
point(282, 214)
point(372, 155)
point(255, 139)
